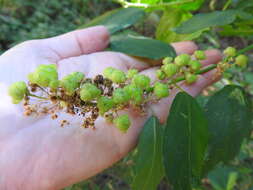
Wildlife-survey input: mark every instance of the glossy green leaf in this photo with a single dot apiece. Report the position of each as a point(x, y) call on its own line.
point(118, 19)
point(172, 18)
point(149, 165)
point(185, 142)
point(230, 121)
point(141, 46)
point(204, 20)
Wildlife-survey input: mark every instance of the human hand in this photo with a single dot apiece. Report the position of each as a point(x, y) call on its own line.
point(35, 153)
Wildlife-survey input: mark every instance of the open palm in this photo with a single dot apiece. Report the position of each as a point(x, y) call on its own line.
point(35, 153)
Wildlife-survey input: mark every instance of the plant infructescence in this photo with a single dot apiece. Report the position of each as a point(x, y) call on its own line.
point(105, 95)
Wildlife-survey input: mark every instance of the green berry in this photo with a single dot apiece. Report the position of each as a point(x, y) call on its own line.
point(195, 65)
point(135, 93)
point(54, 84)
point(141, 81)
point(160, 74)
point(200, 55)
point(161, 90)
point(108, 72)
point(167, 60)
point(230, 51)
point(118, 76)
point(104, 104)
point(191, 78)
point(182, 60)
point(170, 69)
point(241, 61)
point(120, 96)
point(17, 91)
point(43, 75)
point(122, 122)
point(115, 75)
point(89, 92)
point(71, 82)
point(131, 73)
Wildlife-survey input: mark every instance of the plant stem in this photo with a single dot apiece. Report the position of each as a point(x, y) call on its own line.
point(227, 5)
point(33, 95)
point(244, 50)
point(204, 70)
point(125, 3)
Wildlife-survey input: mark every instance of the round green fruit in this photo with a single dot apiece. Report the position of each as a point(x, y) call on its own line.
point(191, 78)
point(167, 60)
point(89, 92)
point(195, 65)
point(160, 74)
point(17, 91)
point(122, 122)
point(170, 69)
point(141, 81)
point(241, 61)
point(104, 104)
point(200, 55)
point(120, 96)
point(161, 90)
point(131, 73)
point(182, 60)
point(230, 51)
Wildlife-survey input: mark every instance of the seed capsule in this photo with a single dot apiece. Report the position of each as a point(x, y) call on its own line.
point(182, 60)
point(161, 90)
point(120, 96)
point(160, 74)
point(230, 51)
point(191, 78)
point(195, 65)
point(17, 91)
point(89, 92)
point(170, 69)
point(200, 55)
point(104, 104)
point(141, 81)
point(122, 123)
point(241, 61)
point(131, 73)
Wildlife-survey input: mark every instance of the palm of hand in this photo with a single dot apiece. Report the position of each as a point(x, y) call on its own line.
point(35, 152)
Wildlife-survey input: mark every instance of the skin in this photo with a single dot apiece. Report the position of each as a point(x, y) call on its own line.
point(35, 153)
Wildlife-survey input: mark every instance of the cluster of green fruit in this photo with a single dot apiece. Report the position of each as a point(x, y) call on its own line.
point(124, 89)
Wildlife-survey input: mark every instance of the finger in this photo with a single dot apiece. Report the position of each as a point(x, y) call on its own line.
point(78, 42)
point(96, 63)
point(212, 56)
point(185, 47)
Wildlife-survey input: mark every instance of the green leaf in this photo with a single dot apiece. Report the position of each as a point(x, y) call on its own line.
point(190, 6)
point(230, 121)
point(150, 2)
point(223, 178)
point(185, 142)
point(149, 166)
point(118, 19)
point(172, 18)
point(141, 46)
point(204, 20)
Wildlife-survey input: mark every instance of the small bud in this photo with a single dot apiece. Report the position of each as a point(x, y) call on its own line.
point(118, 76)
point(167, 60)
point(170, 69)
point(89, 92)
point(131, 73)
point(182, 60)
point(195, 65)
point(200, 55)
point(120, 96)
point(241, 61)
point(141, 81)
point(108, 72)
point(122, 123)
point(230, 51)
point(191, 78)
point(161, 90)
point(160, 74)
